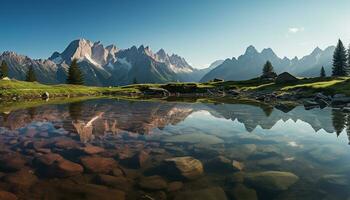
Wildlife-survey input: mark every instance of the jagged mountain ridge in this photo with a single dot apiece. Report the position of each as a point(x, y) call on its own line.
point(249, 65)
point(104, 66)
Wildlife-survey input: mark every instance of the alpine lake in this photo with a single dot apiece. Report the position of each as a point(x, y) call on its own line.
point(129, 149)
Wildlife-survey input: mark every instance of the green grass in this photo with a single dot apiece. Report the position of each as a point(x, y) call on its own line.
point(33, 90)
point(29, 90)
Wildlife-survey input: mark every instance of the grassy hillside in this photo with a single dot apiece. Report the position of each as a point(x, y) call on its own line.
point(27, 90)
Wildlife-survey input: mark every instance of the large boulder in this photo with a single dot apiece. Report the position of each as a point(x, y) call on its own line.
point(185, 167)
point(271, 180)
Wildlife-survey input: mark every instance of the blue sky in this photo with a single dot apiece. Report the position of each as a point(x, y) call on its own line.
point(202, 31)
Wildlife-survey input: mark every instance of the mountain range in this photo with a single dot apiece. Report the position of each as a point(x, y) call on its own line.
point(108, 65)
point(249, 65)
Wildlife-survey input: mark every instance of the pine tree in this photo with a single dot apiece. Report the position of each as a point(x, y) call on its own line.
point(135, 81)
point(339, 120)
point(339, 60)
point(268, 71)
point(4, 70)
point(74, 74)
point(322, 73)
point(348, 60)
point(268, 68)
point(30, 77)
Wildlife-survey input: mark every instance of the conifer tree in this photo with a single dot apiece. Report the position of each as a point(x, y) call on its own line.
point(323, 72)
point(135, 81)
point(339, 120)
point(348, 61)
point(30, 77)
point(268, 68)
point(4, 70)
point(74, 74)
point(339, 60)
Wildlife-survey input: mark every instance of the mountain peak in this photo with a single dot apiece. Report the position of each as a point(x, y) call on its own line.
point(268, 52)
point(316, 51)
point(251, 50)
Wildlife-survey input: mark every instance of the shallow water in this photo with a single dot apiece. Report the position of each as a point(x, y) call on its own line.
point(299, 154)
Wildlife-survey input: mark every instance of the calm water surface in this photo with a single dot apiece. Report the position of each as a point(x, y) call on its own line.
point(117, 149)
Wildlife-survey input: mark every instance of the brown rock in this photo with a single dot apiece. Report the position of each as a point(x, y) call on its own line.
point(12, 162)
point(48, 159)
point(187, 167)
point(241, 192)
point(93, 150)
point(7, 196)
point(175, 186)
point(66, 168)
point(96, 164)
point(237, 166)
point(115, 182)
point(21, 179)
point(65, 143)
point(117, 172)
point(212, 193)
point(153, 183)
point(138, 160)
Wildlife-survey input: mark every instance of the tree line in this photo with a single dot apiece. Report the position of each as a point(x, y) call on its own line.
point(74, 75)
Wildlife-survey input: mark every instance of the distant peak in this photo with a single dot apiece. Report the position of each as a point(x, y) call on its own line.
point(251, 50)
point(268, 51)
point(161, 52)
point(317, 50)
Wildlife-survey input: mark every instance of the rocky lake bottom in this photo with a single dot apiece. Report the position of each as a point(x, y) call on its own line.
point(117, 149)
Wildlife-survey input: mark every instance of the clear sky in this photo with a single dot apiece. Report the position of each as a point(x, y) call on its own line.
point(202, 31)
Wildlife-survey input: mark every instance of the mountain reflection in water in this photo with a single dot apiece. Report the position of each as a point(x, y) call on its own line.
point(276, 154)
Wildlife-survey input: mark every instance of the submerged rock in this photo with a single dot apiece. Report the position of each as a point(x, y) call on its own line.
point(121, 183)
point(212, 193)
point(66, 168)
point(7, 196)
point(22, 179)
point(271, 180)
point(12, 162)
point(221, 163)
point(241, 192)
point(153, 183)
point(96, 164)
point(334, 183)
point(187, 167)
point(92, 149)
point(175, 186)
